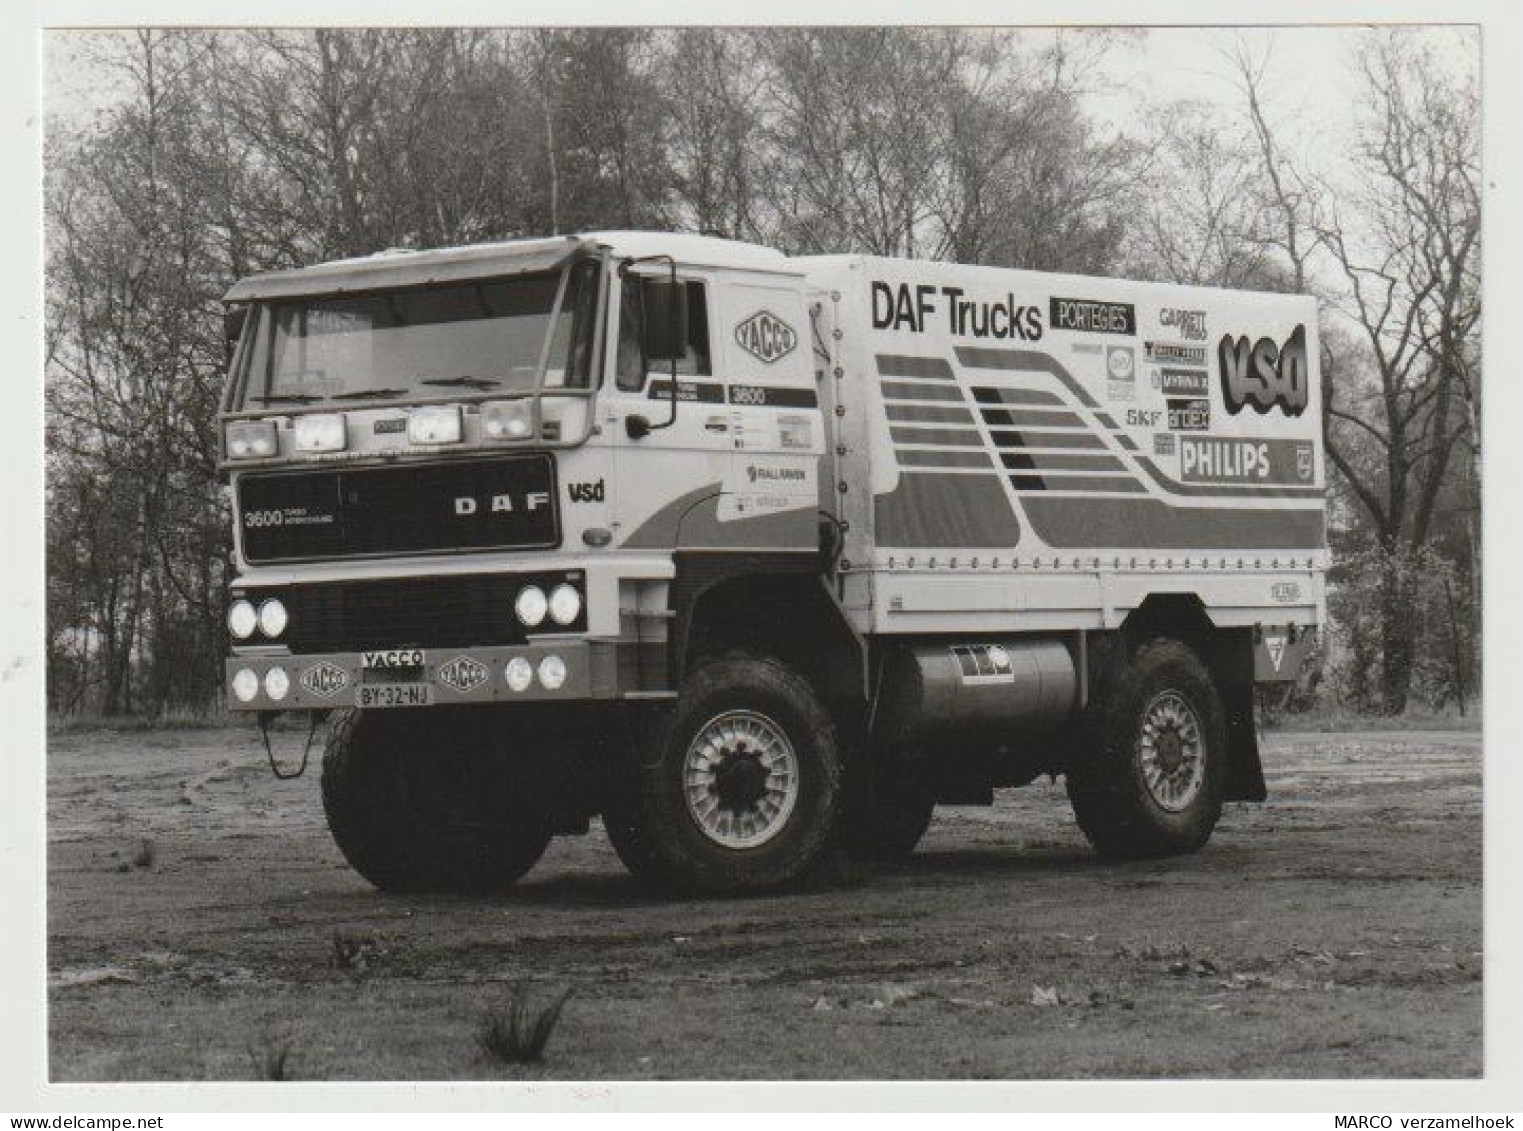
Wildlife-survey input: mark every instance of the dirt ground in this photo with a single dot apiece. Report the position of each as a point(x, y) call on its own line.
point(197, 911)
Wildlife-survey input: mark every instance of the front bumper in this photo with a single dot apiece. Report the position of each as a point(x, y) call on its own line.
point(445, 676)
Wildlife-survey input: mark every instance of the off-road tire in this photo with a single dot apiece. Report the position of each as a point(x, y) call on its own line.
point(1113, 804)
point(649, 823)
point(894, 818)
point(433, 800)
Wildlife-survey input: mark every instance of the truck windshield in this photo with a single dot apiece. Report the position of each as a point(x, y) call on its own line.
point(478, 338)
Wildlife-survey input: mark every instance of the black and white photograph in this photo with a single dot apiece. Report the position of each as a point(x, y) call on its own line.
point(580, 551)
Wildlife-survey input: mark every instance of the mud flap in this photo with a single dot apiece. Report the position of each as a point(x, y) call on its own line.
point(1245, 771)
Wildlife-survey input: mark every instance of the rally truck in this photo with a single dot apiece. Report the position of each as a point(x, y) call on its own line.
point(755, 558)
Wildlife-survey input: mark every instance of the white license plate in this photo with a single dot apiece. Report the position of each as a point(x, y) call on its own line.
point(393, 695)
point(392, 658)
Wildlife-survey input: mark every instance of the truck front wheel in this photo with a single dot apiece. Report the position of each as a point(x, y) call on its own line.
point(738, 790)
point(433, 800)
point(1149, 781)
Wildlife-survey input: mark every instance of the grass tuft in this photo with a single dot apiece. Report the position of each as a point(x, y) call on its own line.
point(145, 855)
point(271, 1059)
point(518, 1033)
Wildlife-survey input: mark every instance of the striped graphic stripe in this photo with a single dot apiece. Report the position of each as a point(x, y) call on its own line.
point(1069, 523)
point(946, 458)
point(1009, 438)
point(978, 357)
point(901, 365)
point(963, 437)
point(1086, 484)
point(910, 392)
point(928, 414)
point(985, 395)
point(1031, 418)
point(1043, 461)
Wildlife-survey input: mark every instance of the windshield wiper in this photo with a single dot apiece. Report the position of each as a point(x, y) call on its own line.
point(368, 394)
point(467, 382)
point(288, 398)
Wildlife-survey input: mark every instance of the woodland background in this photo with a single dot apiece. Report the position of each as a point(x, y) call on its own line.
point(218, 154)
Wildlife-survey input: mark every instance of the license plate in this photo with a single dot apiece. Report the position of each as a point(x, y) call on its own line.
point(393, 695)
point(392, 658)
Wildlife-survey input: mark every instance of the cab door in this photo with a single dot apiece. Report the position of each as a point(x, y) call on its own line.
point(683, 462)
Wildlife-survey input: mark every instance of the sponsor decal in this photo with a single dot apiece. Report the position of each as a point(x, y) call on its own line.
point(983, 663)
point(394, 424)
point(911, 308)
point(762, 396)
point(766, 336)
point(1191, 324)
point(1121, 363)
point(1245, 461)
point(1275, 645)
point(1263, 374)
point(1184, 382)
point(795, 432)
point(529, 501)
point(1163, 444)
point(1172, 353)
point(1086, 347)
point(775, 474)
point(463, 674)
point(287, 516)
point(324, 680)
point(1121, 390)
point(1143, 417)
point(705, 392)
point(1092, 317)
point(390, 658)
point(587, 492)
point(1189, 415)
point(1285, 592)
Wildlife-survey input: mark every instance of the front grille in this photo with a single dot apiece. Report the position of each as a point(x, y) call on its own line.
point(415, 612)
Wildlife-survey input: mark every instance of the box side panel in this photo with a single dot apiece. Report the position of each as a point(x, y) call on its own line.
point(1125, 437)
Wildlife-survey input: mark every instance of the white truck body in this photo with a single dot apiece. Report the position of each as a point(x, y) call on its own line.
point(866, 535)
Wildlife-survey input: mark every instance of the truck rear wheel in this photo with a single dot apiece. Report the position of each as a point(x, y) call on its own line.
point(433, 800)
point(739, 790)
point(1150, 781)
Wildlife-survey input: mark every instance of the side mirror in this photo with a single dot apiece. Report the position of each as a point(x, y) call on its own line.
point(665, 320)
point(233, 320)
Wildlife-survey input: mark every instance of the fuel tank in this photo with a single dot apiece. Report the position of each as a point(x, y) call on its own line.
point(985, 688)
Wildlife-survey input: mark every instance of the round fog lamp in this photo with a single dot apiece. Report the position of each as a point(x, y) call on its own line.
point(565, 604)
point(276, 683)
point(531, 606)
point(272, 617)
point(519, 673)
point(245, 685)
point(552, 672)
point(241, 620)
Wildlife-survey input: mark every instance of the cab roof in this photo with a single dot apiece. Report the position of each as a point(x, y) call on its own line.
point(387, 270)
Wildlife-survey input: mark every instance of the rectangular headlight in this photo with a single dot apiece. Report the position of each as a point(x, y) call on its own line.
point(434, 424)
point(321, 432)
point(251, 439)
point(507, 420)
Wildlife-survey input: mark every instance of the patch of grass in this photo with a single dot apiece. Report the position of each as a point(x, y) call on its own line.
point(518, 1032)
point(1334, 717)
point(356, 954)
point(145, 855)
point(272, 1059)
point(85, 722)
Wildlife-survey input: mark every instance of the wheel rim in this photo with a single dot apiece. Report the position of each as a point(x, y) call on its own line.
point(740, 779)
point(1171, 751)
